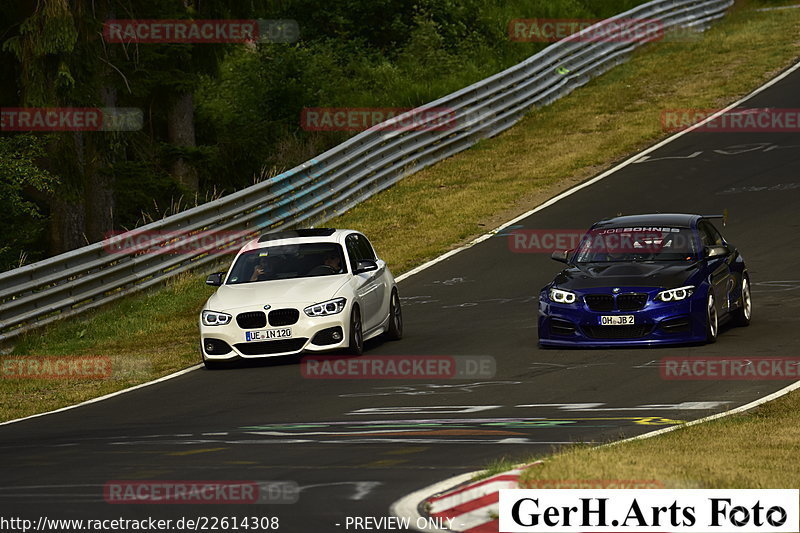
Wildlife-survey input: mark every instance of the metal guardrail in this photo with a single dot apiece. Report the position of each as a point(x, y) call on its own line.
point(337, 180)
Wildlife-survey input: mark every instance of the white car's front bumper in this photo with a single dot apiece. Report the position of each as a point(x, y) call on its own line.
point(311, 334)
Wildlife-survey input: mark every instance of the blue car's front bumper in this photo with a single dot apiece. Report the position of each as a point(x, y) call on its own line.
point(656, 323)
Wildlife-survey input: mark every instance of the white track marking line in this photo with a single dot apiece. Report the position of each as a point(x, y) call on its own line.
point(107, 396)
point(740, 409)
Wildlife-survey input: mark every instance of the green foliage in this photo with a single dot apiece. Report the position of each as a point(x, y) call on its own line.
point(49, 31)
point(21, 178)
point(381, 53)
point(140, 187)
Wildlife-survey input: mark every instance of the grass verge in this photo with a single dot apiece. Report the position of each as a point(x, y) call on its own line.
point(153, 334)
point(757, 449)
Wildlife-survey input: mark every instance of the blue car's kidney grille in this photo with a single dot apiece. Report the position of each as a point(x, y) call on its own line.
point(617, 332)
point(631, 302)
point(599, 302)
point(622, 302)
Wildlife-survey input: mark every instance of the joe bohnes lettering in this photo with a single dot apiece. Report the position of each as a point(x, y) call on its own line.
point(592, 512)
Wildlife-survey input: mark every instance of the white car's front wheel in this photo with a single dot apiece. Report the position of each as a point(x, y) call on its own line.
point(395, 330)
point(356, 333)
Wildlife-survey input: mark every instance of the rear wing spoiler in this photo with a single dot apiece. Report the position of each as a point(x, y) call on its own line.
point(723, 216)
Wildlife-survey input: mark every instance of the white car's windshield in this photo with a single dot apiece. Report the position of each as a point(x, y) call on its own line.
point(288, 262)
point(636, 244)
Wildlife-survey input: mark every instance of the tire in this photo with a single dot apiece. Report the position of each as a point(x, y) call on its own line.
point(395, 330)
point(356, 333)
point(741, 316)
point(712, 319)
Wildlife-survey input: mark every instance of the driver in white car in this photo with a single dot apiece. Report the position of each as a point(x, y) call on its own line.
point(334, 261)
point(261, 269)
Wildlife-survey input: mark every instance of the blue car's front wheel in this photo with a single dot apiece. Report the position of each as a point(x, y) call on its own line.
point(712, 318)
point(741, 317)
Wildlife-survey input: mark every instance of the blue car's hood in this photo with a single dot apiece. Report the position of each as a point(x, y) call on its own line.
point(666, 274)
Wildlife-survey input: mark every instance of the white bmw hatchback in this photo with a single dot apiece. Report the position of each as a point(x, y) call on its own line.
point(307, 290)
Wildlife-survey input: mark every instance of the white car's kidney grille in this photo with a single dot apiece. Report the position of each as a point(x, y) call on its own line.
point(283, 317)
point(251, 319)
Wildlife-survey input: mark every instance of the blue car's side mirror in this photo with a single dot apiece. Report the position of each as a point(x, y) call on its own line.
point(716, 251)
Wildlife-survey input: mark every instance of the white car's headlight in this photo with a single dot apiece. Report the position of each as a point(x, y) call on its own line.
point(675, 295)
point(562, 297)
point(213, 318)
point(331, 307)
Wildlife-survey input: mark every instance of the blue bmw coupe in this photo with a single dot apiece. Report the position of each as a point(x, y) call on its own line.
point(645, 280)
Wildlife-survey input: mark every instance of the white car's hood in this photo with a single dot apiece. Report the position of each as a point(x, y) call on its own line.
point(277, 293)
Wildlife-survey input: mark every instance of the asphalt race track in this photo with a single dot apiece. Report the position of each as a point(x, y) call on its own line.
point(355, 446)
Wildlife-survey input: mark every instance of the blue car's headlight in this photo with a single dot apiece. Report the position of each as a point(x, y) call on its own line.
point(675, 295)
point(562, 297)
point(331, 307)
point(213, 318)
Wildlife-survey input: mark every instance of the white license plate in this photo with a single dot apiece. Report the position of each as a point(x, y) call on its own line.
point(268, 334)
point(616, 320)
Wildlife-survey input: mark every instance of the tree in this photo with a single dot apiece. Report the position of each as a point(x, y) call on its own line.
point(20, 179)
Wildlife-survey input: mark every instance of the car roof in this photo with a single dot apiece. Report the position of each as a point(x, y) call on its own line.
point(675, 220)
point(297, 236)
point(297, 233)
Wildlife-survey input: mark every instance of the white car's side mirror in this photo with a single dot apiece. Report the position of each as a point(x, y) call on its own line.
point(366, 265)
point(215, 279)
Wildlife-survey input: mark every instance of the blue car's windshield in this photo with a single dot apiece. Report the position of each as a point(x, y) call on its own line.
point(636, 244)
point(287, 262)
